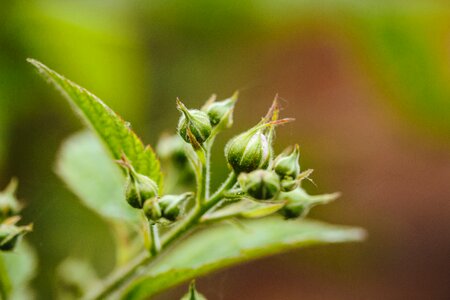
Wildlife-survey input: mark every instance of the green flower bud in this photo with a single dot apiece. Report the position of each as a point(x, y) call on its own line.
point(287, 165)
point(139, 188)
point(221, 111)
point(10, 234)
point(193, 294)
point(9, 206)
point(171, 148)
point(152, 209)
point(288, 184)
point(260, 184)
point(173, 205)
point(193, 124)
point(248, 151)
point(299, 203)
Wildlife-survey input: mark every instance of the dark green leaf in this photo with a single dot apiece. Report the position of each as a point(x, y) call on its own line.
point(226, 245)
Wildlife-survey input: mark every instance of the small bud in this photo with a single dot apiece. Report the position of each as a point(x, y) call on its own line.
point(172, 205)
point(9, 206)
point(260, 184)
point(287, 165)
point(193, 294)
point(171, 148)
point(299, 203)
point(194, 121)
point(248, 151)
point(152, 209)
point(139, 188)
point(221, 111)
point(288, 184)
point(10, 234)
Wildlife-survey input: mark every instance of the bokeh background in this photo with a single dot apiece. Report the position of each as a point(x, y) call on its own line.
point(367, 81)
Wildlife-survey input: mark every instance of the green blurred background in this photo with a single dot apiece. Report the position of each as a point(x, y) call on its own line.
point(367, 81)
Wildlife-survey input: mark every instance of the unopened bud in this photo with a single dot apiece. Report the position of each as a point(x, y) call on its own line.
point(152, 210)
point(299, 203)
point(221, 111)
point(9, 206)
point(193, 294)
point(288, 185)
point(248, 151)
point(171, 148)
point(287, 165)
point(193, 124)
point(172, 205)
point(10, 234)
point(260, 184)
point(139, 188)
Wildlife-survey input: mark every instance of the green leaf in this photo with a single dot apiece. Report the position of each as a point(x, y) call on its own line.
point(223, 246)
point(85, 167)
point(20, 267)
point(245, 208)
point(111, 128)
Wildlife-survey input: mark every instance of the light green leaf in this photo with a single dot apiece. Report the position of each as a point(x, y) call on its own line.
point(245, 208)
point(20, 266)
point(110, 127)
point(86, 168)
point(225, 245)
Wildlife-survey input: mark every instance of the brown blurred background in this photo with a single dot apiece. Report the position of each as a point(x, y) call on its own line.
point(367, 81)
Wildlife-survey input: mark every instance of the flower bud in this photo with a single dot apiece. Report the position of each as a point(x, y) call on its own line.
point(248, 151)
point(171, 148)
point(193, 294)
point(9, 206)
point(288, 184)
point(193, 124)
point(172, 205)
point(152, 209)
point(287, 165)
point(10, 234)
point(299, 203)
point(221, 111)
point(139, 188)
point(260, 184)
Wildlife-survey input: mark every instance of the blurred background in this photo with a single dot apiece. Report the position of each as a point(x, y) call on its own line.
point(367, 81)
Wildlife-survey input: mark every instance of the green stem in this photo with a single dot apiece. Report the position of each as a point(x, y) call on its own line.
point(155, 245)
point(193, 218)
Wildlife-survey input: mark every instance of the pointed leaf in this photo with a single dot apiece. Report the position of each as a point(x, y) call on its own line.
point(225, 245)
point(110, 127)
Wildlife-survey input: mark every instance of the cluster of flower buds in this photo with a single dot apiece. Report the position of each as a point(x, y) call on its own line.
point(141, 192)
point(10, 232)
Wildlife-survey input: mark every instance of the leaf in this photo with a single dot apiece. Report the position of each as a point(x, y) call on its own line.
point(110, 127)
point(223, 246)
point(246, 209)
point(20, 266)
point(85, 167)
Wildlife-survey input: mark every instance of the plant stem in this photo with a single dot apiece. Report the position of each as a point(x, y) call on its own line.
point(155, 245)
point(122, 275)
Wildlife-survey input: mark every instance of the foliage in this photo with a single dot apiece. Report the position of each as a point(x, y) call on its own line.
point(252, 190)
